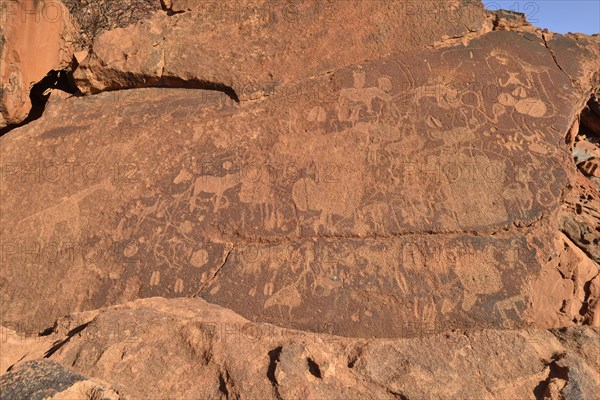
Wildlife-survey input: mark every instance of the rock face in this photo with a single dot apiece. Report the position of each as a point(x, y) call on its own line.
point(415, 182)
point(210, 352)
point(36, 37)
point(93, 17)
point(43, 379)
point(19, 347)
point(268, 43)
point(408, 199)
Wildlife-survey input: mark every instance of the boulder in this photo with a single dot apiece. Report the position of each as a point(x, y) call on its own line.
point(47, 380)
point(36, 38)
point(253, 47)
point(375, 188)
point(297, 199)
point(94, 17)
point(187, 348)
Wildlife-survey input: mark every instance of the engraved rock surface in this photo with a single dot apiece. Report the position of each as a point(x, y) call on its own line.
point(373, 188)
point(302, 199)
point(255, 46)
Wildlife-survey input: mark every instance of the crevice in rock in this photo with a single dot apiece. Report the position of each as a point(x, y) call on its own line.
point(212, 278)
point(499, 233)
point(273, 361)
point(61, 343)
point(223, 385)
point(397, 395)
point(313, 368)
point(174, 83)
point(580, 243)
point(354, 356)
point(587, 293)
point(40, 93)
point(47, 332)
point(585, 140)
point(556, 61)
point(352, 361)
point(167, 6)
point(166, 82)
point(556, 373)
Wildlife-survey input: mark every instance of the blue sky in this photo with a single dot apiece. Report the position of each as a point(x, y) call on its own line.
point(559, 16)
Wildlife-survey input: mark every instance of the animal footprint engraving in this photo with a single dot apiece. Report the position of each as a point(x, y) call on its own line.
point(178, 286)
point(155, 278)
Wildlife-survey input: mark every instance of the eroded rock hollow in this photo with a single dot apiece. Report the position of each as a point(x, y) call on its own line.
point(314, 199)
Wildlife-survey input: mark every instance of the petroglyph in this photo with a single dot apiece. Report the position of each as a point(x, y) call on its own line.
point(427, 278)
point(351, 100)
point(419, 179)
point(199, 258)
point(155, 278)
point(178, 286)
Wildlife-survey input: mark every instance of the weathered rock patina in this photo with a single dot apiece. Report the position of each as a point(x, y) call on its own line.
point(415, 181)
point(376, 188)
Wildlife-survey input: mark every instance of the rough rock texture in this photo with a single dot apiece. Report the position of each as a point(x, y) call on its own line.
point(19, 347)
point(207, 352)
point(255, 46)
point(409, 198)
point(43, 379)
point(378, 185)
point(96, 16)
point(36, 37)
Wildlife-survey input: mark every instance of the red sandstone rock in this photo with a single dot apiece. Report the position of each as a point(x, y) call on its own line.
point(35, 38)
point(18, 347)
point(93, 17)
point(406, 201)
point(187, 348)
point(256, 46)
point(44, 379)
point(407, 192)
